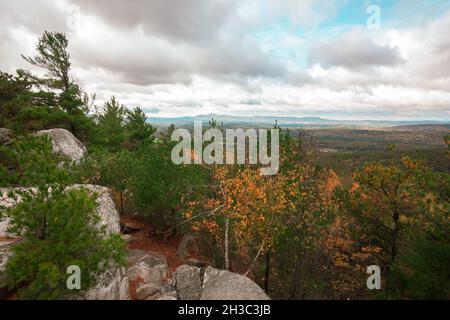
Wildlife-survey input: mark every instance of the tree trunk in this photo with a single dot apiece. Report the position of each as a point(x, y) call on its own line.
point(226, 244)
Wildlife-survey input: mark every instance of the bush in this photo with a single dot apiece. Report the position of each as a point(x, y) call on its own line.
point(59, 230)
point(111, 169)
point(160, 185)
point(29, 161)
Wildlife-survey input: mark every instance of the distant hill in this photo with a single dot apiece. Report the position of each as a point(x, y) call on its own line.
point(288, 121)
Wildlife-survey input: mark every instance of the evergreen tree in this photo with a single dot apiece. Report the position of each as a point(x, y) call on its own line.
point(53, 56)
point(138, 129)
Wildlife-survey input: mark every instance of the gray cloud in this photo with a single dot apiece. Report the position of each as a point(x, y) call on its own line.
point(22, 20)
point(35, 16)
point(180, 40)
point(354, 51)
point(193, 20)
point(150, 61)
point(147, 42)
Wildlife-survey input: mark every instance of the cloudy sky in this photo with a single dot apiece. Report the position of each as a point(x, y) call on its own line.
point(327, 58)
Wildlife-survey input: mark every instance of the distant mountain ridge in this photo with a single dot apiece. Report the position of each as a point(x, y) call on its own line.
point(287, 121)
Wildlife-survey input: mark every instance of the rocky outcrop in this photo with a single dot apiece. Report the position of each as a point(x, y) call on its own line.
point(106, 209)
point(5, 202)
point(148, 271)
point(188, 282)
point(148, 291)
point(65, 143)
point(151, 259)
point(111, 285)
point(226, 285)
point(5, 135)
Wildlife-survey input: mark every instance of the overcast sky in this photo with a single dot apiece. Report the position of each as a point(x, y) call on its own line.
point(239, 57)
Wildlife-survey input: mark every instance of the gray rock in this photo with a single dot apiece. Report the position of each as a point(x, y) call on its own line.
point(226, 285)
point(139, 271)
point(188, 283)
point(159, 272)
point(111, 285)
point(169, 287)
point(4, 223)
point(5, 202)
point(106, 209)
point(166, 298)
point(150, 270)
point(124, 289)
point(8, 202)
point(65, 143)
point(187, 245)
point(5, 252)
point(150, 258)
point(5, 135)
point(146, 291)
point(172, 294)
point(148, 273)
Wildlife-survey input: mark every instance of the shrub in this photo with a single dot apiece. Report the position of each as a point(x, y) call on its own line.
point(160, 185)
point(29, 161)
point(59, 229)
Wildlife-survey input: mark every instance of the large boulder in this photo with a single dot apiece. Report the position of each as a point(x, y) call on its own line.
point(109, 217)
point(147, 272)
point(65, 143)
point(147, 268)
point(150, 258)
point(111, 285)
point(226, 285)
point(148, 291)
point(188, 282)
point(106, 209)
